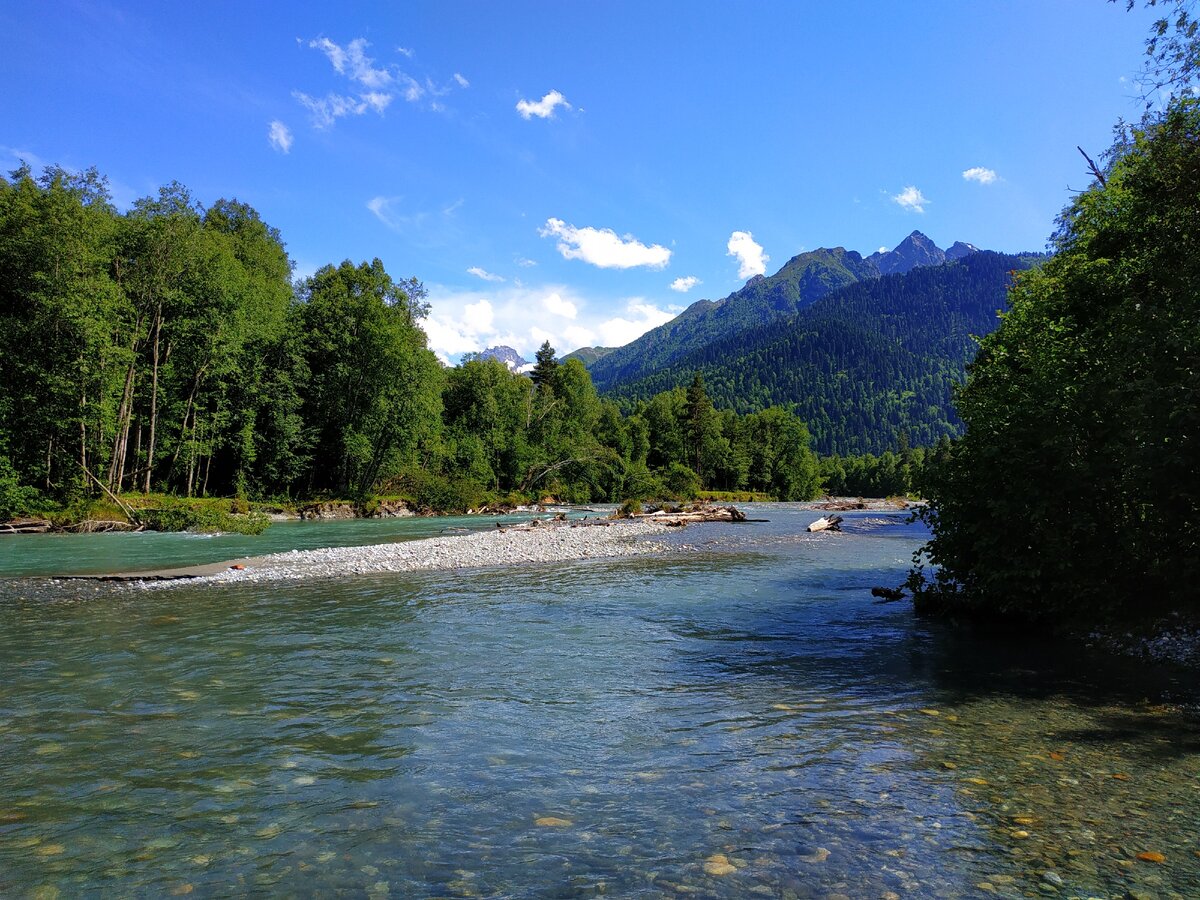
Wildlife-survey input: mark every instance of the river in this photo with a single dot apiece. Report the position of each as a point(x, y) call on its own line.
point(735, 720)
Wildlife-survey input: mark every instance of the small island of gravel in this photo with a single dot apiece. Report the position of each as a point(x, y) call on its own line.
point(546, 543)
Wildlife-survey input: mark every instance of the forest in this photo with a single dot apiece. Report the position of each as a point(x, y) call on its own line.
point(167, 350)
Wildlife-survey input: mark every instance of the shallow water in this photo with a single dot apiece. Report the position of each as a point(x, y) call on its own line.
point(741, 719)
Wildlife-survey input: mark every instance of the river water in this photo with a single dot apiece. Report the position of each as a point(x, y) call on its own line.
point(736, 720)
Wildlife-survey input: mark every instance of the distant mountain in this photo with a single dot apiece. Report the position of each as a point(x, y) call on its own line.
point(506, 355)
point(915, 250)
point(863, 365)
point(588, 355)
point(959, 249)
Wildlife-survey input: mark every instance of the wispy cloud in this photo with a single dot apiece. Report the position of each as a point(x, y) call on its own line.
point(748, 253)
point(328, 109)
point(386, 210)
point(685, 284)
point(462, 81)
point(980, 174)
point(353, 62)
point(544, 108)
point(280, 136)
point(911, 199)
point(602, 247)
point(525, 263)
point(484, 274)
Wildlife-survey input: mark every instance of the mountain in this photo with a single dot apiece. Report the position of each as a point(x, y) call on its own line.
point(802, 280)
point(865, 365)
point(506, 355)
point(915, 250)
point(959, 249)
point(588, 355)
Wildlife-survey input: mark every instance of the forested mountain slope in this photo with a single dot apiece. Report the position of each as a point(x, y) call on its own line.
point(866, 366)
point(802, 280)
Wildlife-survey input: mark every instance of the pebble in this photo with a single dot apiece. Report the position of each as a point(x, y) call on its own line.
point(552, 822)
point(817, 856)
point(1053, 878)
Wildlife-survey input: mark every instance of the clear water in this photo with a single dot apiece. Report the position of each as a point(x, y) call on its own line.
point(738, 720)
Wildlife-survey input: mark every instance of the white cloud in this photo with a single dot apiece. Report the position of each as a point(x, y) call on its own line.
point(328, 109)
point(478, 317)
point(980, 174)
point(484, 274)
point(522, 317)
point(748, 253)
point(577, 336)
point(544, 108)
point(911, 198)
point(525, 263)
point(280, 136)
point(619, 330)
point(377, 101)
point(683, 285)
point(384, 210)
point(353, 62)
point(556, 305)
point(462, 81)
point(413, 91)
point(602, 247)
point(405, 51)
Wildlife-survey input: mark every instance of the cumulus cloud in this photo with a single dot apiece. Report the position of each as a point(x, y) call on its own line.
point(748, 253)
point(484, 274)
point(641, 317)
point(556, 305)
point(280, 136)
point(544, 108)
point(602, 247)
point(911, 199)
point(683, 285)
point(462, 321)
point(462, 81)
point(980, 174)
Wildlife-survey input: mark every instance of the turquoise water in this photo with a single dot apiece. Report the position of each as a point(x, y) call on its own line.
point(739, 720)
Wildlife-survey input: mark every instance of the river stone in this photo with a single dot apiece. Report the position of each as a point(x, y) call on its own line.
point(718, 864)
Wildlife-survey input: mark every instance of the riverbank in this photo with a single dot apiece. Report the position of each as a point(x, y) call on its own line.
point(545, 543)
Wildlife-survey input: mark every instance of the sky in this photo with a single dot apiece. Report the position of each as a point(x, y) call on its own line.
point(581, 172)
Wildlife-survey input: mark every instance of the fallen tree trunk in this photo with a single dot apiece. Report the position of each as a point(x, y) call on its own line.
point(826, 523)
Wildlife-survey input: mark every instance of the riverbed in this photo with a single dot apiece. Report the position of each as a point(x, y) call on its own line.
point(734, 716)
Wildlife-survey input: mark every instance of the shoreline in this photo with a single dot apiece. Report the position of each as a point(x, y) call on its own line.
point(483, 549)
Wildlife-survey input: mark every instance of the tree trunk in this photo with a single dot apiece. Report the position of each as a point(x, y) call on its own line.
point(153, 399)
point(116, 466)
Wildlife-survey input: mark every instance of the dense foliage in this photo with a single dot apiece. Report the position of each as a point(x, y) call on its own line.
point(1075, 491)
point(167, 349)
point(869, 366)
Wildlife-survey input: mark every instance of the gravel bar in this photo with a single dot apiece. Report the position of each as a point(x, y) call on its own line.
point(507, 547)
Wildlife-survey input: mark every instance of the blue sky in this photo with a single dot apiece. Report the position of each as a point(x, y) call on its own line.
point(580, 172)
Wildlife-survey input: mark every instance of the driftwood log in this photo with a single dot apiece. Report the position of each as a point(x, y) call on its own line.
point(826, 523)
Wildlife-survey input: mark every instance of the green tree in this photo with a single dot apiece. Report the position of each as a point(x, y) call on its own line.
point(1074, 492)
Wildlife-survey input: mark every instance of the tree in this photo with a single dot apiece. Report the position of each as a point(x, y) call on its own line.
point(1074, 492)
point(373, 392)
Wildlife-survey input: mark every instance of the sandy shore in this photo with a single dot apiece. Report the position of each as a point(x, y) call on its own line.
point(475, 550)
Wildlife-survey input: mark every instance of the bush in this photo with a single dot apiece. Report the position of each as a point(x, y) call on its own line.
point(182, 516)
point(15, 499)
